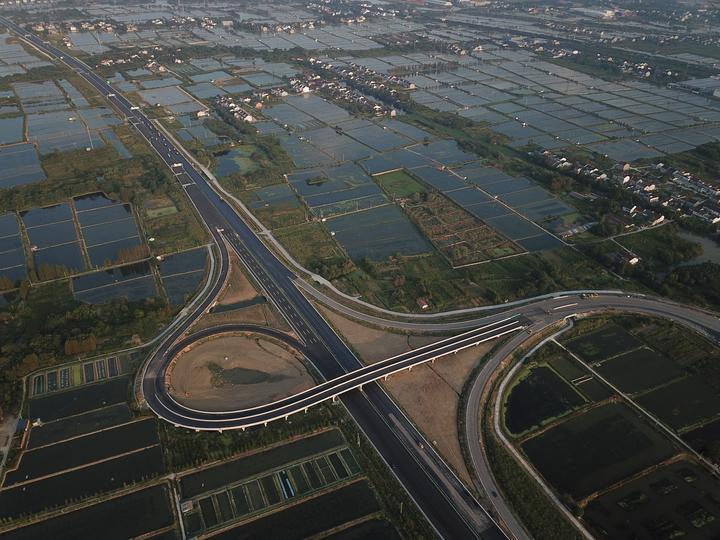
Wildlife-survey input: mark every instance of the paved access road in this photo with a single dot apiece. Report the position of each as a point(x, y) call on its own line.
point(449, 507)
point(543, 315)
point(330, 389)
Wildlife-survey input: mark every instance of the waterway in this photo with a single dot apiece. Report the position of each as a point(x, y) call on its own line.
point(711, 249)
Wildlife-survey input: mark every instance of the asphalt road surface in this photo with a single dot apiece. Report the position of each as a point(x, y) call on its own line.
point(449, 507)
point(440, 495)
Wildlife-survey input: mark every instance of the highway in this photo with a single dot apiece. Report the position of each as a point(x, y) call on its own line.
point(449, 506)
point(175, 412)
point(544, 315)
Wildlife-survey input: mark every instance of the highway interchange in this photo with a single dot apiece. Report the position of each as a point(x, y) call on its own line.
point(448, 505)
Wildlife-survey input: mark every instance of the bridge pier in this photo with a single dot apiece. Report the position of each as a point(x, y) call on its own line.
point(306, 410)
point(265, 424)
point(334, 399)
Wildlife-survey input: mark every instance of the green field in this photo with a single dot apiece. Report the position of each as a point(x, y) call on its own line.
point(310, 244)
point(399, 184)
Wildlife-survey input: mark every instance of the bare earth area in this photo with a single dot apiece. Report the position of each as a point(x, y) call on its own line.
point(237, 371)
point(262, 314)
point(372, 344)
point(238, 287)
point(429, 394)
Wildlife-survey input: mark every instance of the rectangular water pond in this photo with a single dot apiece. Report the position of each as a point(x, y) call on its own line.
point(20, 165)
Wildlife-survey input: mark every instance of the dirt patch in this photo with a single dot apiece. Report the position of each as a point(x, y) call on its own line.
point(430, 393)
point(238, 287)
point(237, 371)
point(372, 344)
point(262, 314)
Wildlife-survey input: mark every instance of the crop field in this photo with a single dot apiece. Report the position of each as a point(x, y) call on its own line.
point(109, 230)
point(565, 365)
point(639, 370)
point(682, 403)
point(114, 519)
point(82, 450)
point(51, 234)
point(704, 439)
point(377, 234)
point(485, 227)
point(459, 236)
point(512, 206)
point(687, 349)
point(604, 343)
point(336, 190)
point(59, 118)
point(212, 478)
point(134, 281)
point(539, 396)
point(237, 160)
point(314, 516)
point(399, 184)
point(77, 374)
point(65, 428)
point(61, 404)
point(20, 165)
point(11, 129)
point(667, 370)
point(58, 490)
point(108, 234)
point(182, 273)
point(380, 138)
point(12, 254)
point(338, 37)
point(594, 390)
point(193, 130)
point(592, 451)
point(171, 98)
point(677, 501)
point(277, 206)
point(309, 243)
point(373, 528)
point(264, 481)
point(532, 101)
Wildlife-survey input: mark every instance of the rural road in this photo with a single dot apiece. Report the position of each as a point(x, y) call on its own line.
point(449, 507)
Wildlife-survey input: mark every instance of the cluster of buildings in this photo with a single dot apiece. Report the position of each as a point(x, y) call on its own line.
point(339, 91)
point(361, 77)
point(240, 107)
point(658, 191)
point(350, 12)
